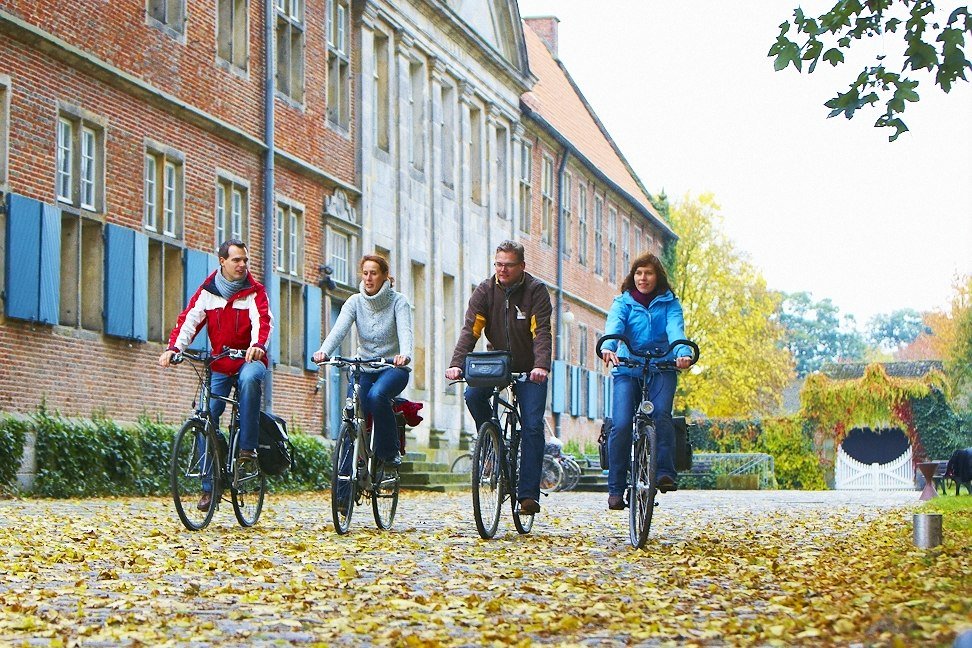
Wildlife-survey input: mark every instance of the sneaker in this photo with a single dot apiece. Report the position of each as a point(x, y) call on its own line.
point(205, 502)
point(666, 484)
point(616, 502)
point(529, 506)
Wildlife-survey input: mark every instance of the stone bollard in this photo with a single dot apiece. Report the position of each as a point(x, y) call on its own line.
point(927, 530)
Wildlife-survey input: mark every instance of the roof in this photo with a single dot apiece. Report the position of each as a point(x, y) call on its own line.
point(557, 99)
point(852, 370)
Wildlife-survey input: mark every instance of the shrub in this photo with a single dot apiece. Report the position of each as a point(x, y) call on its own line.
point(312, 465)
point(13, 435)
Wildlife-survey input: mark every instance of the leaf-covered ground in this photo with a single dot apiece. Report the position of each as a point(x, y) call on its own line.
point(731, 568)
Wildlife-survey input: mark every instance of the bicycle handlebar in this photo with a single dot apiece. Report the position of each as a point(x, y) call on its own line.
point(205, 356)
point(341, 361)
point(648, 355)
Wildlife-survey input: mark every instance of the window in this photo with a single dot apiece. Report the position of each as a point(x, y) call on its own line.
point(289, 224)
point(82, 272)
point(382, 94)
point(4, 127)
point(476, 153)
point(416, 107)
point(163, 193)
point(232, 211)
point(598, 236)
point(500, 170)
point(170, 14)
point(582, 344)
point(526, 182)
point(290, 48)
point(165, 289)
point(232, 43)
point(339, 251)
point(566, 191)
point(420, 351)
point(582, 224)
point(448, 100)
point(80, 163)
point(625, 245)
point(291, 321)
point(613, 242)
point(339, 63)
point(546, 191)
point(449, 328)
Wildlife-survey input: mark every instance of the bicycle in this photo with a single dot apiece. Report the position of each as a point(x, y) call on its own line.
point(642, 478)
point(356, 473)
point(204, 461)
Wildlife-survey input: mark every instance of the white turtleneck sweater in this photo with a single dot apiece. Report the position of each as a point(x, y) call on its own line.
point(383, 320)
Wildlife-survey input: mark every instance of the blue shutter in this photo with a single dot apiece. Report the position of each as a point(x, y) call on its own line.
point(559, 387)
point(312, 324)
point(33, 260)
point(126, 283)
point(273, 292)
point(197, 266)
point(592, 394)
point(575, 391)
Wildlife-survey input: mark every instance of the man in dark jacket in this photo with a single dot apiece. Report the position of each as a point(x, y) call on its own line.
point(236, 311)
point(513, 309)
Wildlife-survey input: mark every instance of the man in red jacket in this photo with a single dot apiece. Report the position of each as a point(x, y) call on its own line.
point(236, 311)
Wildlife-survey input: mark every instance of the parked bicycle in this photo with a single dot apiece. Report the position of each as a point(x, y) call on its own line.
point(205, 462)
point(356, 473)
point(642, 477)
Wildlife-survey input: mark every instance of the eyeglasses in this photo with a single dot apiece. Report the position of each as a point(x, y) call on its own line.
point(508, 266)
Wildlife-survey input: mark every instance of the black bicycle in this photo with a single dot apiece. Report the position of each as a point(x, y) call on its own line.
point(356, 473)
point(496, 463)
point(205, 463)
point(642, 478)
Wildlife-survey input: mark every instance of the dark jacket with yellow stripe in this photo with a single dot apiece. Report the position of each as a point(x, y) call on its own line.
point(515, 320)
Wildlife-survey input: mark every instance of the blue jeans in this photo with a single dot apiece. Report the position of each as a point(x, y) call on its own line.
point(249, 382)
point(532, 398)
point(627, 395)
point(377, 391)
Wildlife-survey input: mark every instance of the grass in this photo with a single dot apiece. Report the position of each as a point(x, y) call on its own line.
point(956, 513)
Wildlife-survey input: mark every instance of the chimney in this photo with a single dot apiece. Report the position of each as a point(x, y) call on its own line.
point(546, 29)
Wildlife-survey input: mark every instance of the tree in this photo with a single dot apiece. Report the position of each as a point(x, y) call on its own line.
point(815, 333)
point(896, 329)
point(952, 338)
point(928, 43)
point(732, 316)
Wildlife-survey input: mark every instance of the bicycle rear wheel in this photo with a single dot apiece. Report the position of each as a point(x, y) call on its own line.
point(248, 488)
point(194, 459)
point(643, 486)
point(384, 497)
point(488, 484)
point(342, 479)
point(462, 464)
point(522, 522)
point(551, 475)
point(572, 473)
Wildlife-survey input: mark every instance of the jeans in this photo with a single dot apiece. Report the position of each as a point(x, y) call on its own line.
point(627, 396)
point(532, 398)
point(377, 391)
point(249, 383)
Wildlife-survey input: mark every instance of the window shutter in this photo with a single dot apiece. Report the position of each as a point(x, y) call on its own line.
point(592, 394)
point(33, 260)
point(312, 324)
point(197, 267)
point(273, 292)
point(126, 283)
point(559, 387)
point(575, 391)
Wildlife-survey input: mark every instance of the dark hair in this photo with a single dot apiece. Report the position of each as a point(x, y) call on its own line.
point(647, 259)
point(224, 248)
point(512, 247)
point(382, 265)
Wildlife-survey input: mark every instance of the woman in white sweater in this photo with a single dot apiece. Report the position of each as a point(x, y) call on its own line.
point(383, 318)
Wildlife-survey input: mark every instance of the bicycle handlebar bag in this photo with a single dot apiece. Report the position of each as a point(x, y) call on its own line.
point(488, 369)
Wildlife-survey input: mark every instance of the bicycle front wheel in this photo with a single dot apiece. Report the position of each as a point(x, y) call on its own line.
point(343, 479)
point(249, 486)
point(384, 497)
point(643, 487)
point(194, 459)
point(487, 480)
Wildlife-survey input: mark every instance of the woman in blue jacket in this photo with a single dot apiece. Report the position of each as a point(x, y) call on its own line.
point(649, 315)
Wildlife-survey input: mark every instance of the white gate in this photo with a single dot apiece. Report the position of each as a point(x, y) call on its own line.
point(851, 474)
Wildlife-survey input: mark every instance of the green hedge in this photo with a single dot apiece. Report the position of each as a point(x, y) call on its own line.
point(13, 435)
point(84, 458)
point(941, 430)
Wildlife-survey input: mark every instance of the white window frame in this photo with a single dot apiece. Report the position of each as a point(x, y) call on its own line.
point(547, 198)
point(231, 214)
point(150, 193)
point(339, 253)
point(65, 160)
point(582, 224)
point(288, 241)
point(526, 187)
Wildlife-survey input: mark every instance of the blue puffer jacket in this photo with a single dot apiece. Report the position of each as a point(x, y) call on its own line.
point(647, 328)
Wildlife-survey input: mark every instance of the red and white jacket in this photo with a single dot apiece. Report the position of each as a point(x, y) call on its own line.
point(240, 322)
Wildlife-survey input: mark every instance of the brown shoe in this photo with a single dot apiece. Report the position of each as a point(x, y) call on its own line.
point(666, 484)
point(248, 455)
point(616, 502)
point(529, 506)
point(205, 502)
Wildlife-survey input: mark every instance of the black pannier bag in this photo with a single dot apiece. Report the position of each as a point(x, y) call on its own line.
point(602, 443)
point(275, 452)
point(683, 445)
point(488, 369)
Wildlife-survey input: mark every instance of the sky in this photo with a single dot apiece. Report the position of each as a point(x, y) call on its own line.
point(827, 206)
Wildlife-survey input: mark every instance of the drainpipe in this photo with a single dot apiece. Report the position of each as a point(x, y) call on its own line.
point(561, 242)
point(269, 89)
